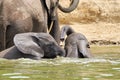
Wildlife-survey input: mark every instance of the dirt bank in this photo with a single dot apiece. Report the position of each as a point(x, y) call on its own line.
point(99, 33)
point(98, 20)
point(92, 11)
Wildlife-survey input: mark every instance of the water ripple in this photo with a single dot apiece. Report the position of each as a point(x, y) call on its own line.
point(82, 61)
point(106, 75)
point(9, 74)
point(85, 78)
point(16, 77)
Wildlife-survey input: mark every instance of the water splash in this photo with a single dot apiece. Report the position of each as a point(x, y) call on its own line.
point(17, 77)
point(9, 74)
point(86, 79)
point(114, 62)
point(117, 69)
point(82, 61)
point(106, 75)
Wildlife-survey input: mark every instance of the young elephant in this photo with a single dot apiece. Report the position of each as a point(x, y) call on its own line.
point(34, 46)
point(76, 44)
point(14, 53)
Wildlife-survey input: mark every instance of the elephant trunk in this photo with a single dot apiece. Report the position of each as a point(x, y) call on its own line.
point(66, 30)
point(73, 5)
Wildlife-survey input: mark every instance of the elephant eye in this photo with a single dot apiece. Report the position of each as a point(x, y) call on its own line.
point(88, 46)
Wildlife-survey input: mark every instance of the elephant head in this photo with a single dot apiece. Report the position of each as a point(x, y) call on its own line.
point(40, 45)
point(66, 30)
point(49, 46)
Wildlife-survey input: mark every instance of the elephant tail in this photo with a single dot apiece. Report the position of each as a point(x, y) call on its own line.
point(2, 28)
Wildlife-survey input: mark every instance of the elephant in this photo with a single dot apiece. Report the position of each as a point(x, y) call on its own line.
point(76, 44)
point(34, 46)
point(20, 16)
point(14, 53)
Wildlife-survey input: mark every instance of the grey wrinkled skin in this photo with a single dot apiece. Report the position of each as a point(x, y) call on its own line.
point(34, 46)
point(20, 16)
point(14, 53)
point(76, 44)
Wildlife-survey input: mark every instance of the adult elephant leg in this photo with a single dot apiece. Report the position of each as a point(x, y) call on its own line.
point(2, 37)
point(10, 33)
point(39, 25)
point(42, 27)
point(3, 26)
point(40, 22)
point(55, 31)
point(19, 26)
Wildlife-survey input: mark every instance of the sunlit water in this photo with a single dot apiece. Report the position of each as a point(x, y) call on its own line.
point(101, 67)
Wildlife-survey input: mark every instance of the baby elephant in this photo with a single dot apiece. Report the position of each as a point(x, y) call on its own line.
point(33, 45)
point(76, 44)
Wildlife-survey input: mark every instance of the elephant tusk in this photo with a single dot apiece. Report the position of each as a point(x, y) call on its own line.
point(50, 27)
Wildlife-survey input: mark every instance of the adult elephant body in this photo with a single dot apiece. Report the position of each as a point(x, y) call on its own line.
point(19, 16)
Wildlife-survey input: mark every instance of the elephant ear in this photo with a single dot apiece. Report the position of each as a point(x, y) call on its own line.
point(25, 43)
point(41, 41)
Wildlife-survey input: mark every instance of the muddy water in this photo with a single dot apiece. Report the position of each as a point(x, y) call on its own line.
point(105, 65)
